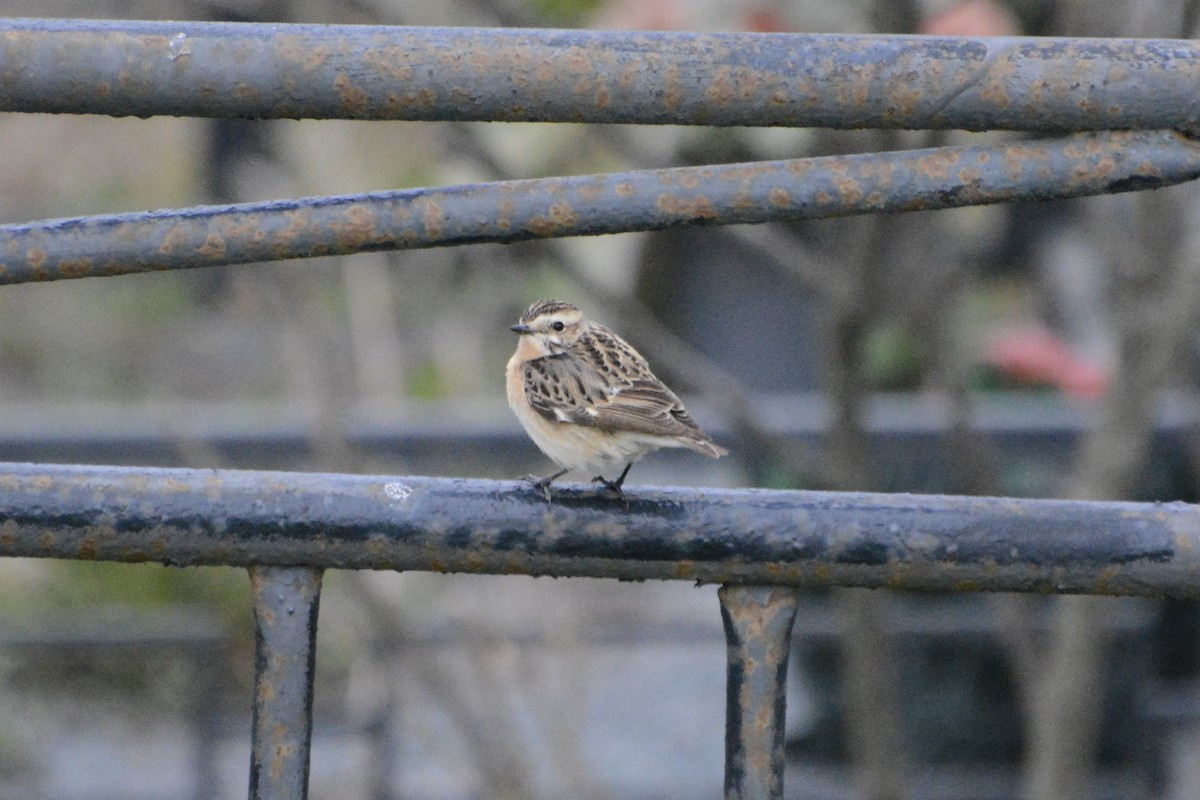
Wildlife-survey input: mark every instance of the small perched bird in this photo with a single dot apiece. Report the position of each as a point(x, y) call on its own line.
point(589, 400)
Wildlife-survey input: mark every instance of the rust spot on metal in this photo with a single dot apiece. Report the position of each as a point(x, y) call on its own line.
point(579, 62)
point(245, 91)
point(360, 226)
point(800, 168)
point(505, 209)
point(625, 189)
point(937, 165)
point(298, 51)
point(996, 94)
point(435, 219)
point(850, 190)
point(905, 100)
point(672, 93)
point(36, 257)
point(564, 214)
point(558, 216)
point(721, 90)
point(282, 753)
point(780, 197)
point(173, 238)
point(541, 226)
point(298, 222)
point(354, 98)
point(969, 175)
point(213, 247)
point(75, 268)
point(698, 208)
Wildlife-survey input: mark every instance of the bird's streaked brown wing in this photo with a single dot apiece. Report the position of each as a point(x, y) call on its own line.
point(562, 389)
point(646, 405)
point(608, 385)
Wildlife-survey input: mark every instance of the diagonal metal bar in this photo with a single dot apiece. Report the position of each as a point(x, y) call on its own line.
point(510, 211)
point(365, 72)
point(808, 539)
point(758, 631)
point(285, 635)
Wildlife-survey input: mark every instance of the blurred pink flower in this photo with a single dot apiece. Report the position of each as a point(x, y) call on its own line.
point(972, 18)
point(1034, 355)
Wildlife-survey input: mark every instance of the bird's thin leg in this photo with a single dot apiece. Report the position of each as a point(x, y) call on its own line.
point(544, 483)
point(614, 486)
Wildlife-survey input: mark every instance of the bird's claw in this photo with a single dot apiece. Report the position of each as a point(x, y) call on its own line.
point(541, 484)
point(614, 487)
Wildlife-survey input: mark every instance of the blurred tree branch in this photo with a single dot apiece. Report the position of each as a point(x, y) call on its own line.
point(1155, 279)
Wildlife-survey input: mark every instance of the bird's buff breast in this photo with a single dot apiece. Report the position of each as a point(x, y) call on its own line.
point(574, 447)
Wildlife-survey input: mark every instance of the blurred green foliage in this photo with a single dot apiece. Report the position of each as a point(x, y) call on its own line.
point(565, 12)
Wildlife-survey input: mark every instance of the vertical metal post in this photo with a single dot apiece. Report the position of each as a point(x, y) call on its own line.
point(285, 637)
point(758, 630)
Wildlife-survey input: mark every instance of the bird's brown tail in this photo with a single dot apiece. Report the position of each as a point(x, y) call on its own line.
point(706, 447)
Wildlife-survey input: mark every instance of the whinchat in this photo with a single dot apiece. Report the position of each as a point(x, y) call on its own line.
point(589, 400)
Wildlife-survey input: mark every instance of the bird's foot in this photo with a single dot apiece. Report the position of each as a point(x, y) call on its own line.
point(543, 484)
point(612, 486)
point(615, 486)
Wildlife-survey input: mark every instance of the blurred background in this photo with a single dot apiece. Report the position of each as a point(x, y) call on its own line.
point(1029, 350)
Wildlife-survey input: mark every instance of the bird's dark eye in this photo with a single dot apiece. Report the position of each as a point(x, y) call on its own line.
point(557, 325)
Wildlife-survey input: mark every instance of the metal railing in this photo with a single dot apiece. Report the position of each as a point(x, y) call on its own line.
point(762, 545)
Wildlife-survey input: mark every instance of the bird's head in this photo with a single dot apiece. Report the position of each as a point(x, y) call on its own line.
point(549, 327)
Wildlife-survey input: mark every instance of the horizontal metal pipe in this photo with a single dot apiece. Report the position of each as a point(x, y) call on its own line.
point(510, 211)
point(807, 539)
point(363, 72)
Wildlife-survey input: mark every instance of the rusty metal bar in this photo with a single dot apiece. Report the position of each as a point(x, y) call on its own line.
point(510, 211)
point(365, 72)
point(745, 536)
point(758, 631)
point(285, 635)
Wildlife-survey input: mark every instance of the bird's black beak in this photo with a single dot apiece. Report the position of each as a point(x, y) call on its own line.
point(522, 329)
